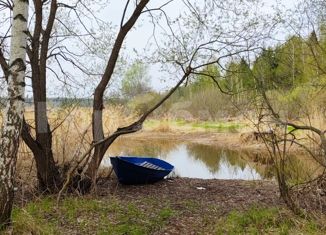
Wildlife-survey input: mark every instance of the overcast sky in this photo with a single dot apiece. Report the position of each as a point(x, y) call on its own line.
point(138, 38)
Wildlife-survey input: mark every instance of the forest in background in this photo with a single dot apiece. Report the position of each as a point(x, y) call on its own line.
point(293, 73)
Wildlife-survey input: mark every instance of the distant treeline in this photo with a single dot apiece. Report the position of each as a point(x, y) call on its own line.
point(292, 73)
point(64, 101)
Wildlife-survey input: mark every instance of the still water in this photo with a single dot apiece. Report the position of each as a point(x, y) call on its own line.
point(192, 160)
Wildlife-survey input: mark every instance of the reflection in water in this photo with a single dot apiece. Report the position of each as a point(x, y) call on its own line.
point(190, 160)
point(209, 162)
point(189, 164)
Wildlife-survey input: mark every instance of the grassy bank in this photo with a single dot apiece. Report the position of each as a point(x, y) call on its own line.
point(181, 125)
point(175, 206)
point(113, 216)
point(89, 216)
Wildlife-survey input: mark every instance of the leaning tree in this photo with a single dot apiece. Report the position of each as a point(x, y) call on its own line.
point(205, 38)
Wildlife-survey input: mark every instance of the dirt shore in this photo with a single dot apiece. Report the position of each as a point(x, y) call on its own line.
point(202, 202)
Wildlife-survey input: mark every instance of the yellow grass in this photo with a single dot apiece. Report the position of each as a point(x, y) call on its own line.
point(69, 124)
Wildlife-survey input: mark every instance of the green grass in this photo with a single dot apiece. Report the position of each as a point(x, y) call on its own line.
point(33, 218)
point(89, 216)
point(266, 221)
point(86, 215)
point(196, 125)
point(219, 126)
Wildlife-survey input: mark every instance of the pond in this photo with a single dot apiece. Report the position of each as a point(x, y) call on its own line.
point(190, 160)
point(203, 161)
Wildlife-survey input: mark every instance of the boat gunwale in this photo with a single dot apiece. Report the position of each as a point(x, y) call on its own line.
point(142, 167)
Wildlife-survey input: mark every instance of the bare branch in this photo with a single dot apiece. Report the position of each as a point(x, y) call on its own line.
point(124, 13)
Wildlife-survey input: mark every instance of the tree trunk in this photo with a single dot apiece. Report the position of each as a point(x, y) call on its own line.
point(97, 118)
point(103, 144)
point(13, 114)
point(49, 179)
point(48, 175)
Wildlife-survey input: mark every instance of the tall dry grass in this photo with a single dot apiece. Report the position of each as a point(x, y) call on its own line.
point(70, 122)
point(68, 125)
point(76, 121)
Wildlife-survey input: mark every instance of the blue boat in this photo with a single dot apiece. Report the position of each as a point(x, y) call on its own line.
point(140, 170)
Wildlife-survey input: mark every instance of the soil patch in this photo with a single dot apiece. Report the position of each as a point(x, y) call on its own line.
point(201, 202)
point(171, 206)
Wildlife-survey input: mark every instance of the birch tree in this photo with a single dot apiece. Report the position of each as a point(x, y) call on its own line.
point(13, 113)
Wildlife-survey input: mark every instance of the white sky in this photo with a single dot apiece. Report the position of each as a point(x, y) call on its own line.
point(139, 36)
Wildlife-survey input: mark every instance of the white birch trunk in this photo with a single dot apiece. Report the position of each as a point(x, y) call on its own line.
point(13, 113)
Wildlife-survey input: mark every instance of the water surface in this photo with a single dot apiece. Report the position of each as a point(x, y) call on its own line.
point(191, 160)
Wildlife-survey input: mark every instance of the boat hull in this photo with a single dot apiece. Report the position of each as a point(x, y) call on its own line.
point(138, 170)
